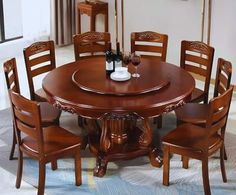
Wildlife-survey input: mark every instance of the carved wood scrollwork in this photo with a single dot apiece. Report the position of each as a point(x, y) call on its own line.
point(199, 46)
point(116, 116)
point(148, 35)
point(39, 47)
point(146, 137)
point(227, 67)
point(114, 129)
point(8, 66)
point(171, 107)
point(66, 108)
point(94, 36)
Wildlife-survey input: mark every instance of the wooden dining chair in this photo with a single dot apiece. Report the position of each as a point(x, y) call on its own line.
point(199, 143)
point(39, 59)
point(149, 43)
point(197, 58)
point(49, 114)
point(90, 43)
point(45, 144)
point(197, 113)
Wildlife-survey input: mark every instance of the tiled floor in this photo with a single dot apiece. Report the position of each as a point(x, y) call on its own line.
point(63, 55)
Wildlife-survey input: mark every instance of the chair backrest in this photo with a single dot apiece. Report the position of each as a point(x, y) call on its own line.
point(90, 43)
point(11, 76)
point(197, 57)
point(27, 119)
point(218, 112)
point(223, 76)
point(39, 59)
point(150, 44)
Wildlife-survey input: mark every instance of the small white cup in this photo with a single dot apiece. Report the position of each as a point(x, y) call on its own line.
point(121, 70)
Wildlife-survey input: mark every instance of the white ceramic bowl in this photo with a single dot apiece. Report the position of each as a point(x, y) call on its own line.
point(121, 70)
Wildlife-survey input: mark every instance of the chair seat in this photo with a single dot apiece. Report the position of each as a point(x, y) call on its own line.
point(49, 114)
point(40, 95)
point(193, 113)
point(190, 137)
point(197, 95)
point(56, 140)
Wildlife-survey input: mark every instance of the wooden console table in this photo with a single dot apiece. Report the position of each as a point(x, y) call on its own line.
point(92, 9)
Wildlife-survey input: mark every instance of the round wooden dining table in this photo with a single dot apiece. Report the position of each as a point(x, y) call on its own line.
point(112, 108)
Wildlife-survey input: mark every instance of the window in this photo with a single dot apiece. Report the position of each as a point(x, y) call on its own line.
point(10, 24)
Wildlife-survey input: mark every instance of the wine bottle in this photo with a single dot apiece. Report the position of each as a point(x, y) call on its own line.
point(109, 60)
point(118, 56)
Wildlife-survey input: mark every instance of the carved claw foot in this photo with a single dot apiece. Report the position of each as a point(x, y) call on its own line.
point(101, 167)
point(155, 158)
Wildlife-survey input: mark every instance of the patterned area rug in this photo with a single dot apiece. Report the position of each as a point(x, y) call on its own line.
point(133, 177)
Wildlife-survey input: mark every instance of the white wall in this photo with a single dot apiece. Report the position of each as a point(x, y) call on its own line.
point(180, 19)
point(223, 36)
point(35, 25)
point(13, 25)
point(36, 18)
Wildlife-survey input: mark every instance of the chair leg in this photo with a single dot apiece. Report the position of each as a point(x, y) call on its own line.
point(58, 122)
point(178, 122)
point(78, 179)
point(185, 161)
point(225, 154)
point(19, 169)
point(54, 165)
point(41, 181)
point(84, 142)
point(222, 164)
point(205, 176)
point(13, 144)
point(80, 121)
point(159, 122)
point(166, 165)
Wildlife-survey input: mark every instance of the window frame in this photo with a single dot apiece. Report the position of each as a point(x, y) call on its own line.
point(2, 26)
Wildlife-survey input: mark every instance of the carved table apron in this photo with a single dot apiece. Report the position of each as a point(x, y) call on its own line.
point(119, 137)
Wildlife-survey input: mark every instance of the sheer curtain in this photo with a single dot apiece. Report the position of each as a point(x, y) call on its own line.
point(63, 21)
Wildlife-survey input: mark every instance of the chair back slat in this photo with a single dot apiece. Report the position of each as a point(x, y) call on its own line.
point(23, 115)
point(36, 56)
point(197, 59)
point(223, 80)
point(90, 48)
point(149, 48)
point(215, 127)
point(40, 60)
point(90, 43)
point(140, 41)
point(11, 76)
point(223, 76)
point(40, 70)
point(218, 113)
point(26, 129)
point(221, 89)
point(195, 70)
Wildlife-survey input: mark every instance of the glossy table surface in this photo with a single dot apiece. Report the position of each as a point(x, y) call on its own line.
point(67, 95)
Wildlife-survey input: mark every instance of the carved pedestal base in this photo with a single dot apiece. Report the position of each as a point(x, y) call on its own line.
point(120, 139)
point(155, 158)
point(101, 167)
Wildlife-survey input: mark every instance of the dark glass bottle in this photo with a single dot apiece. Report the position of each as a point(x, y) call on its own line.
point(118, 56)
point(109, 60)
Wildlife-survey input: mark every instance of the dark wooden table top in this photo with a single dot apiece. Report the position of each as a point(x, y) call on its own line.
point(69, 96)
